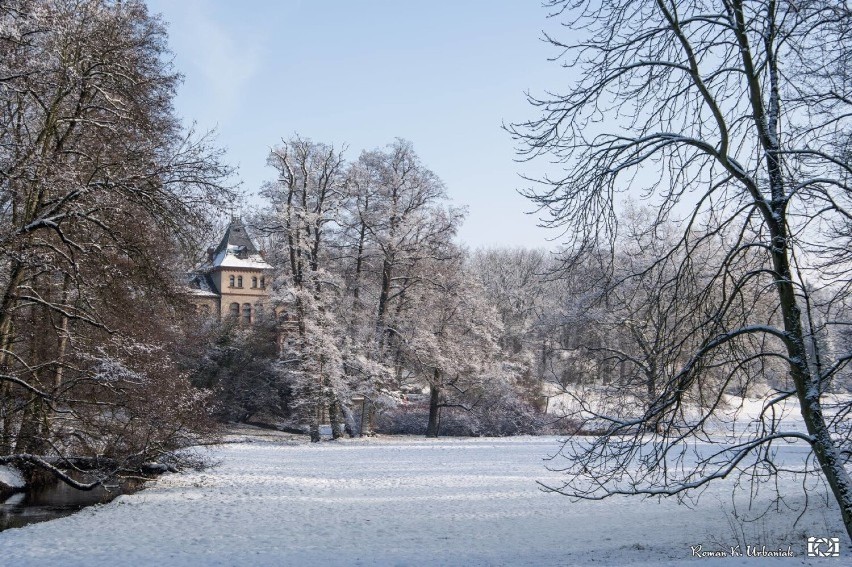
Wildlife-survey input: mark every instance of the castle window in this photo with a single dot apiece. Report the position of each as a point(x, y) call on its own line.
point(262, 282)
point(253, 281)
point(232, 281)
point(234, 310)
point(247, 313)
point(239, 281)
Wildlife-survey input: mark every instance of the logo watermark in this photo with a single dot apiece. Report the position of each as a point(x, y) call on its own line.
point(816, 547)
point(823, 547)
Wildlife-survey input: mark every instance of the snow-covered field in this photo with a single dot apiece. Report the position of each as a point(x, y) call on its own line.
point(399, 501)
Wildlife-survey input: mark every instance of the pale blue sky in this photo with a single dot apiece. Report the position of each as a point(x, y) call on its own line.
point(443, 74)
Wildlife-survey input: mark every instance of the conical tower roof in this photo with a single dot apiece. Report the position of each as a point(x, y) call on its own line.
point(236, 250)
point(237, 237)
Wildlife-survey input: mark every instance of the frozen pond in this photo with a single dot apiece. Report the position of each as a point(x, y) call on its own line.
point(392, 501)
point(55, 501)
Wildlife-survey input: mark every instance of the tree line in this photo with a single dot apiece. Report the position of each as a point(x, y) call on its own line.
point(392, 324)
point(387, 309)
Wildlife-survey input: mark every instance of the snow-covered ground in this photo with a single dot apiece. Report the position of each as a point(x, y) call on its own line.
point(10, 477)
point(400, 501)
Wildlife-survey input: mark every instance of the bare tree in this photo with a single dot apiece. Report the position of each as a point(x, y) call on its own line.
point(730, 117)
point(384, 300)
point(644, 321)
point(99, 186)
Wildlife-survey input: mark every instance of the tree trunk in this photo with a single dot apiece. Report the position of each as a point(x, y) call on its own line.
point(314, 425)
point(62, 343)
point(363, 416)
point(434, 408)
point(384, 294)
point(367, 425)
point(362, 235)
point(348, 420)
point(32, 417)
point(808, 383)
point(654, 424)
point(334, 417)
point(808, 387)
point(7, 306)
point(29, 434)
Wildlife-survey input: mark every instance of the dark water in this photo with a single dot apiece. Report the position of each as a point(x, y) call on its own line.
point(57, 500)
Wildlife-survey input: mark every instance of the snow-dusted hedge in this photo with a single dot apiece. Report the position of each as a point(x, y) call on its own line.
point(490, 420)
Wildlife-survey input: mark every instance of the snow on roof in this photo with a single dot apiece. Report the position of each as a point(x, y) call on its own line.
point(202, 293)
point(239, 257)
point(236, 250)
point(236, 235)
point(200, 285)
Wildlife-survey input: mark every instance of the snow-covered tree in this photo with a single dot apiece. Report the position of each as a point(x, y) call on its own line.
point(305, 203)
point(396, 220)
point(531, 303)
point(449, 337)
point(382, 300)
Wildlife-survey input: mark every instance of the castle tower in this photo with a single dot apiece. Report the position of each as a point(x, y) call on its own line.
point(236, 279)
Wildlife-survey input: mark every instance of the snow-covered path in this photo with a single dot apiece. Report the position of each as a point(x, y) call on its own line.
point(391, 501)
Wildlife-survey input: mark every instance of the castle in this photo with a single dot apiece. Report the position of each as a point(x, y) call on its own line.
point(233, 281)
